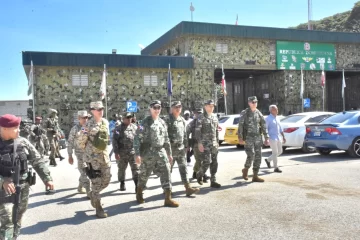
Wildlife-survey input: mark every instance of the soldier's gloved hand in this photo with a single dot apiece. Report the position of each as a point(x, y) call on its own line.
point(49, 185)
point(71, 160)
point(201, 147)
point(117, 156)
point(138, 160)
point(9, 187)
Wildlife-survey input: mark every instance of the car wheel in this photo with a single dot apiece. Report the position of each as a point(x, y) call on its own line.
point(239, 146)
point(323, 151)
point(306, 150)
point(354, 149)
point(221, 141)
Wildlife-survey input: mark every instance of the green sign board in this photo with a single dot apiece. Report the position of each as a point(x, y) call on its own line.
point(304, 55)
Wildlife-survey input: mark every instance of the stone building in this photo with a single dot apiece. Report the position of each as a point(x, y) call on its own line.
point(254, 64)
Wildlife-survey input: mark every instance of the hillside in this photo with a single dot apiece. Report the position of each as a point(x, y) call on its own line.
point(341, 22)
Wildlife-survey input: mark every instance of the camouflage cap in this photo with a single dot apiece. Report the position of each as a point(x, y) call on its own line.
point(209, 102)
point(199, 110)
point(175, 103)
point(128, 115)
point(96, 105)
point(83, 113)
point(252, 99)
point(52, 110)
point(155, 102)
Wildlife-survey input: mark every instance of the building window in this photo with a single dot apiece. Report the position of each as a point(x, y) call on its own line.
point(221, 48)
point(150, 81)
point(80, 80)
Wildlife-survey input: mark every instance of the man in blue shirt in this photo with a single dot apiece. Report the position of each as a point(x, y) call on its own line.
point(276, 137)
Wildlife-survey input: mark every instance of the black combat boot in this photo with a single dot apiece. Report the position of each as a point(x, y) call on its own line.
point(136, 182)
point(194, 175)
point(61, 158)
point(122, 186)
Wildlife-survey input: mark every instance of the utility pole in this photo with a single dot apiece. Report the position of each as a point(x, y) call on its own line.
point(192, 9)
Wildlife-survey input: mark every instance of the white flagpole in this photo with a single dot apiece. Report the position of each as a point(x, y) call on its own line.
point(302, 90)
point(33, 90)
point(222, 67)
point(106, 108)
point(343, 90)
point(323, 88)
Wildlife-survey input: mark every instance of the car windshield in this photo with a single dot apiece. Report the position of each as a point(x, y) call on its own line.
point(339, 118)
point(292, 118)
point(236, 120)
point(223, 119)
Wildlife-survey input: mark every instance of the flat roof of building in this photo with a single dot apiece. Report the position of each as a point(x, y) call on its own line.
point(238, 31)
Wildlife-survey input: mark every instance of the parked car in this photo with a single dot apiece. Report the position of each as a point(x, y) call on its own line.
point(231, 133)
point(224, 122)
point(338, 132)
point(295, 130)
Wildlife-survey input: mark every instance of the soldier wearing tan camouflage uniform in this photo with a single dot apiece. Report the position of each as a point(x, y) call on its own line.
point(94, 139)
point(251, 127)
point(123, 140)
point(51, 126)
point(153, 151)
point(73, 145)
point(179, 143)
point(207, 137)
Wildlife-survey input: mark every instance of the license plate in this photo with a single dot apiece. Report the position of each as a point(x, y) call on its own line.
point(230, 132)
point(317, 134)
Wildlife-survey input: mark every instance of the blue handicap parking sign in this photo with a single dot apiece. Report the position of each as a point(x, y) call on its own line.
point(131, 106)
point(306, 102)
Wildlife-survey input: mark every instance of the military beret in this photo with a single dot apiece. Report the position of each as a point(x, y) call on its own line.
point(97, 105)
point(155, 102)
point(53, 110)
point(128, 115)
point(209, 102)
point(9, 121)
point(175, 103)
point(83, 114)
point(38, 118)
point(252, 99)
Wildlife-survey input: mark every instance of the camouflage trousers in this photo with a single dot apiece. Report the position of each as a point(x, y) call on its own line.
point(125, 160)
point(179, 156)
point(39, 145)
point(197, 154)
point(7, 231)
point(83, 180)
point(46, 143)
point(100, 183)
point(158, 162)
point(54, 147)
point(253, 152)
point(208, 158)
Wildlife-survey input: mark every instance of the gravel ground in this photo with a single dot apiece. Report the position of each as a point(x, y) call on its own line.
point(316, 197)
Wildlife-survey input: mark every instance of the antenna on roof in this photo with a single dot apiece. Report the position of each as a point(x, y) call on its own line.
point(191, 10)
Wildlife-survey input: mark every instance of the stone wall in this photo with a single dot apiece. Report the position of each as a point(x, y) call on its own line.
point(347, 55)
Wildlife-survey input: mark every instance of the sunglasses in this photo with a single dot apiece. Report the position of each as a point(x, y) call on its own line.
point(156, 107)
point(97, 109)
point(84, 117)
point(253, 102)
point(128, 117)
point(177, 106)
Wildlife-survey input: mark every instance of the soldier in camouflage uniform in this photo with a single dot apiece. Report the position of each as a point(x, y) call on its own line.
point(179, 143)
point(123, 140)
point(207, 137)
point(251, 127)
point(151, 141)
point(36, 136)
point(51, 127)
point(94, 139)
point(73, 144)
point(190, 131)
point(26, 152)
point(25, 129)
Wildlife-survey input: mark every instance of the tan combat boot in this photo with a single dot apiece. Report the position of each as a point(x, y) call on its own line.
point(92, 200)
point(88, 192)
point(139, 195)
point(81, 190)
point(189, 190)
point(256, 178)
point(99, 210)
point(245, 173)
point(168, 201)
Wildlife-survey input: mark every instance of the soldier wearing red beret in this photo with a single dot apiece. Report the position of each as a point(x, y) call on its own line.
point(25, 152)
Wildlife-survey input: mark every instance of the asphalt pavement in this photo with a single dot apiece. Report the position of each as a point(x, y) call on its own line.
point(316, 197)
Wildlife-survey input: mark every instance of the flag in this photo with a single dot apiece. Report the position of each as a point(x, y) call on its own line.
point(323, 79)
point(343, 85)
point(31, 78)
point(223, 82)
point(192, 8)
point(103, 85)
point(169, 83)
point(236, 23)
point(302, 85)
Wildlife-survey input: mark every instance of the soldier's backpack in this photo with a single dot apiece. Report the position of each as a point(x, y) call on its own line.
point(101, 138)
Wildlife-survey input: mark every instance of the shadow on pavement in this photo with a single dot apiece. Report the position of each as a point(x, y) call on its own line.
point(333, 157)
point(63, 200)
point(57, 191)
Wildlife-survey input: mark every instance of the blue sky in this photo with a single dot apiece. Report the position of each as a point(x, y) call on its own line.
point(96, 26)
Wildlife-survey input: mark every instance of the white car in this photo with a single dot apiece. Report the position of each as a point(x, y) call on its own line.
point(295, 130)
point(226, 121)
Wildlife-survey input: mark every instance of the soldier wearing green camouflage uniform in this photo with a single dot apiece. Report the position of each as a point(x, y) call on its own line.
point(26, 154)
point(179, 143)
point(207, 137)
point(36, 136)
point(151, 141)
point(94, 139)
point(123, 140)
point(73, 145)
point(51, 126)
point(251, 127)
